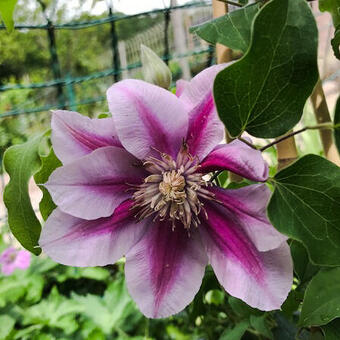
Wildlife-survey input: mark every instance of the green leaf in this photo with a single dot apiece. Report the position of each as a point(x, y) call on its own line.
point(6, 326)
point(333, 7)
point(292, 303)
point(110, 311)
point(264, 93)
point(285, 329)
point(332, 330)
point(21, 162)
point(232, 30)
point(241, 308)
point(306, 207)
point(302, 266)
point(322, 299)
point(6, 12)
point(336, 42)
point(48, 164)
point(337, 124)
point(259, 323)
point(236, 333)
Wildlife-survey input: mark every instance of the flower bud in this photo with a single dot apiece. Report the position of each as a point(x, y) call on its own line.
point(155, 71)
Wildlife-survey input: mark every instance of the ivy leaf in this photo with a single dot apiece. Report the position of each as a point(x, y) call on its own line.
point(333, 7)
point(305, 206)
point(6, 12)
point(332, 330)
point(21, 162)
point(264, 93)
point(337, 124)
point(336, 42)
point(322, 299)
point(48, 164)
point(232, 30)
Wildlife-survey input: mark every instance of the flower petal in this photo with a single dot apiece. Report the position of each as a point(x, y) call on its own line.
point(181, 84)
point(23, 259)
point(76, 242)
point(261, 279)
point(8, 268)
point(205, 128)
point(94, 185)
point(239, 158)
point(147, 116)
point(164, 270)
point(74, 135)
point(249, 205)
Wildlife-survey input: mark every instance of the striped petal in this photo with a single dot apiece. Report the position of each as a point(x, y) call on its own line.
point(76, 242)
point(146, 117)
point(74, 135)
point(94, 185)
point(164, 270)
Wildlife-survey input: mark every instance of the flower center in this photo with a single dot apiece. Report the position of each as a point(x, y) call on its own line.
point(172, 186)
point(173, 190)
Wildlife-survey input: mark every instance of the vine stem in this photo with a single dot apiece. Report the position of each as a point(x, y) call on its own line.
point(291, 134)
point(246, 142)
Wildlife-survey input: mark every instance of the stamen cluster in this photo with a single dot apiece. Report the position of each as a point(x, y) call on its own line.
point(173, 189)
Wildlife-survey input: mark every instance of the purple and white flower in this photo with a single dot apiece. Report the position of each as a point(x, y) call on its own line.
point(11, 259)
point(134, 185)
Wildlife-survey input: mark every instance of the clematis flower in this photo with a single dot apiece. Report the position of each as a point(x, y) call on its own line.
point(11, 258)
point(134, 185)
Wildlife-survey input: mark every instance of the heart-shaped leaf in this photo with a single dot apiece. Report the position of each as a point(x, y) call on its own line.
point(264, 93)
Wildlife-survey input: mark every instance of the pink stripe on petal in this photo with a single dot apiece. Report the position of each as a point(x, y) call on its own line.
point(147, 116)
point(239, 158)
point(165, 269)
point(75, 135)
point(77, 242)
point(94, 185)
point(205, 128)
point(249, 205)
point(261, 279)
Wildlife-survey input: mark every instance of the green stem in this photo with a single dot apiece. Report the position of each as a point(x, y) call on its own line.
point(291, 134)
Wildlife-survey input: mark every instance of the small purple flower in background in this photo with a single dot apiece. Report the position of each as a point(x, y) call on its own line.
point(12, 258)
point(134, 185)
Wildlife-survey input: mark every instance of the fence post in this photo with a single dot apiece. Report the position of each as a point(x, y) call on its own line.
point(114, 46)
point(55, 63)
point(70, 93)
point(166, 56)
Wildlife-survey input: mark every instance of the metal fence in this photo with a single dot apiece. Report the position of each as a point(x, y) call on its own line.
point(125, 54)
